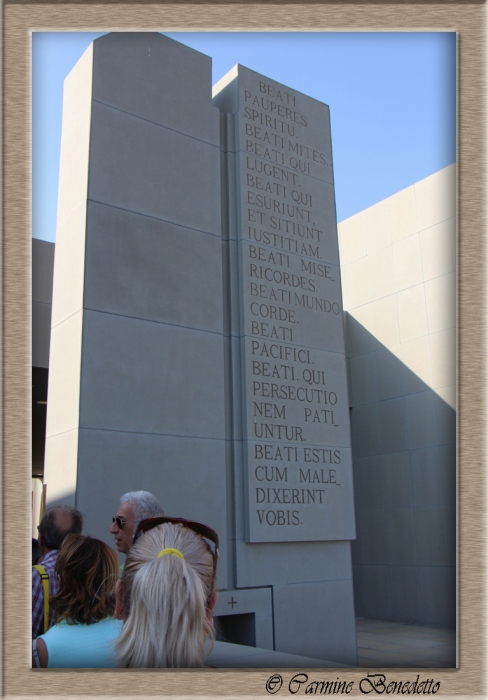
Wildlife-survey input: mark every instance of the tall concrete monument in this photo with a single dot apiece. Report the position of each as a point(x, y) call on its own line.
point(197, 345)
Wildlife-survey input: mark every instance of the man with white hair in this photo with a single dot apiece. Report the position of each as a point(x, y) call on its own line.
point(134, 507)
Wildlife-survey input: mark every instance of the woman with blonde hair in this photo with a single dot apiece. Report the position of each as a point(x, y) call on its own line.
point(84, 629)
point(167, 594)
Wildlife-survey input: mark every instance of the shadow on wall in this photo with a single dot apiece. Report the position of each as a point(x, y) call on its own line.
point(404, 462)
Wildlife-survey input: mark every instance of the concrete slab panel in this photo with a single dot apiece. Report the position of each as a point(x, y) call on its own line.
point(69, 265)
point(352, 239)
point(377, 593)
point(186, 475)
point(438, 590)
point(401, 536)
point(232, 291)
point(356, 554)
point(427, 483)
point(403, 214)
point(154, 77)
point(435, 528)
point(405, 594)
point(358, 591)
point(325, 609)
point(393, 425)
point(448, 396)
point(408, 263)
point(42, 270)
point(363, 379)
point(440, 299)
point(130, 363)
point(61, 468)
point(436, 197)
point(149, 169)
point(146, 268)
point(385, 321)
point(381, 273)
point(374, 536)
point(77, 91)
point(437, 256)
point(447, 462)
point(443, 352)
point(397, 482)
point(267, 564)
point(453, 240)
point(360, 337)
point(355, 283)
point(421, 417)
point(377, 226)
point(389, 376)
point(230, 187)
point(369, 480)
point(234, 345)
point(74, 163)
point(41, 333)
point(412, 313)
point(238, 483)
point(417, 370)
point(63, 399)
point(226, 285)
point(365, 430)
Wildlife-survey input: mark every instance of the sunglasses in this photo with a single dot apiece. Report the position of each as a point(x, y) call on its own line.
point(121, 523)
point(204, 530)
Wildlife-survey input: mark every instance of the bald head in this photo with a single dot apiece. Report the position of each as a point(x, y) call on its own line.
point(56, 523)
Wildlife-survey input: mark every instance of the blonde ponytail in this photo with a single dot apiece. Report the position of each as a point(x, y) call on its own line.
point(166, 600)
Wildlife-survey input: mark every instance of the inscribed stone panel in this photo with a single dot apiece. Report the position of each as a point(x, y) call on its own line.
point(297, 459)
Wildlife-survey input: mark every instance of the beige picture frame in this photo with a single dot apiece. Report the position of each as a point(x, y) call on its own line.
point(468, 19)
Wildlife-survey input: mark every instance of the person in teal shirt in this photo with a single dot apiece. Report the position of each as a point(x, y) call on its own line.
point(85, 628)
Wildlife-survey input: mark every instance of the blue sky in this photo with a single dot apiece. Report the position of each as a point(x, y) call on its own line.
point(392, 98)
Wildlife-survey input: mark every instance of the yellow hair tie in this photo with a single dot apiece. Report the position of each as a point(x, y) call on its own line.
point(170, 550)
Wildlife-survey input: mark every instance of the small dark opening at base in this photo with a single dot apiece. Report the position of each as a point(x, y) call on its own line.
point(236, 629)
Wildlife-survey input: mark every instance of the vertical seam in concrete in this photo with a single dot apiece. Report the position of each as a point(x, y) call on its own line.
point(230, 394)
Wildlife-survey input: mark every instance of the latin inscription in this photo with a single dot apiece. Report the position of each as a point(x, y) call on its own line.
point(297, 408)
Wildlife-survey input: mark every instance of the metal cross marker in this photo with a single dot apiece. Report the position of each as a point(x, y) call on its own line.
point(232, 602)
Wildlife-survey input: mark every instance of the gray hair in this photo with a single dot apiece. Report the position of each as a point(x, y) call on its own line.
point(145, 504)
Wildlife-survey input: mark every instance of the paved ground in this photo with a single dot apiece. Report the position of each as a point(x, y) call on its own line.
point(395, 645)
point(380, 645)
point(225, 655)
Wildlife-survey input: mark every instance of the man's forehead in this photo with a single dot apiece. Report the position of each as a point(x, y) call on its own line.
point(126, 510)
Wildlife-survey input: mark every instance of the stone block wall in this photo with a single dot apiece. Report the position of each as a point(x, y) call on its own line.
point(398, 262)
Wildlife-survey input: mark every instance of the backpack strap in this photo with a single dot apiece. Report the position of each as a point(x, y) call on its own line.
point(45, 587)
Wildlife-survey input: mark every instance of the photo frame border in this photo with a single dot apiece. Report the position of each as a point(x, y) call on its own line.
point(469, 20)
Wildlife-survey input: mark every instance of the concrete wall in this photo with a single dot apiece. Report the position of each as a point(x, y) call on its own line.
point(136, 381)
point(42, 294)
point(398, 274)
point(309, 573)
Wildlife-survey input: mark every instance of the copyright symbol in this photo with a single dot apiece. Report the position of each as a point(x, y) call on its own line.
point(274, 683)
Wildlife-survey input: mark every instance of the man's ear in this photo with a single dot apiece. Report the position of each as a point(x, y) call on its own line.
point(119, 608)
point(44, 549)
